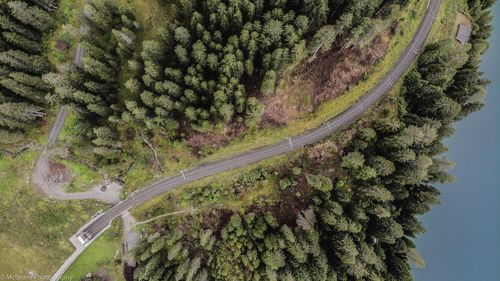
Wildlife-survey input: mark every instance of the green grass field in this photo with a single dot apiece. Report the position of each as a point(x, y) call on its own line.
point(84, 179)
point(100, 255)
point(34, 231)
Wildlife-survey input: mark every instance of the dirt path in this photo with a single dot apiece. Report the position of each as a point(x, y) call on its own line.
point(131, 235)
point(130, 238)
point(52, 178)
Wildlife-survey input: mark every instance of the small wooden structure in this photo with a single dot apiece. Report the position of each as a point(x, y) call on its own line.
point(463, 34)
point(62, 45)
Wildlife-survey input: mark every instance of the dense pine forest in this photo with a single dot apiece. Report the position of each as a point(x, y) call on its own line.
point(23, 24)
point(198, 73)
point(203, 70)
point(344, 209)
point(91, 89)
point(350, 216)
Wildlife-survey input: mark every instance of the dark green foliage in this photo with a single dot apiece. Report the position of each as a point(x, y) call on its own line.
point(22, 91)
point(250, 247)
point(31, 15)
point(320, 183)
point(106, 143)
point(91, 89)
point(9, 136)
point(199, 69)
point(360, 219)
point(22, 42)
point(214, 192)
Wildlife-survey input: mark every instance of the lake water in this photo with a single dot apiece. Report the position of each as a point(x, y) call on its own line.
point(462, 242)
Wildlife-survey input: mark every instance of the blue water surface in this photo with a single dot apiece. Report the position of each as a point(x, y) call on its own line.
point(462, 242)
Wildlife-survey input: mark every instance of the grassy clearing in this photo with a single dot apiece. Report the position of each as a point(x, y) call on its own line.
point(445, 26)
point(162, 203)
point(175, 155)
point(84, 179)
point(68, 14)
point(100, 255)
point(18, 259)
point(66, 133)
point(35, 231)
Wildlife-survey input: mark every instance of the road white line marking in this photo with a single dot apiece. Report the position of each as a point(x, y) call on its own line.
point(183, 176)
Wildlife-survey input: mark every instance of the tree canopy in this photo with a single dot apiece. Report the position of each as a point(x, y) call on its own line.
point(353, 221)
point(22, 63)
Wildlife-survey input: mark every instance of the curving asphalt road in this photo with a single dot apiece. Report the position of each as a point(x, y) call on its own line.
point(347, 117)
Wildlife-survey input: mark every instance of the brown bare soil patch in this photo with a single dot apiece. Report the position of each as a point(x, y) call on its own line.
point(290, 203)
point(102, 275)
point(299, 93)
point(281, 109)
point(462, 19)
point(199, 140)
point(326, 77)
point(322, 152)
point(206, 139)
point(57, 173)
point(216, 219)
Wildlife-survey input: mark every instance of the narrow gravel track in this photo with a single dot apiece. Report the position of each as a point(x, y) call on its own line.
point(44, 180)
point(41, 171)
point(63, 113)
